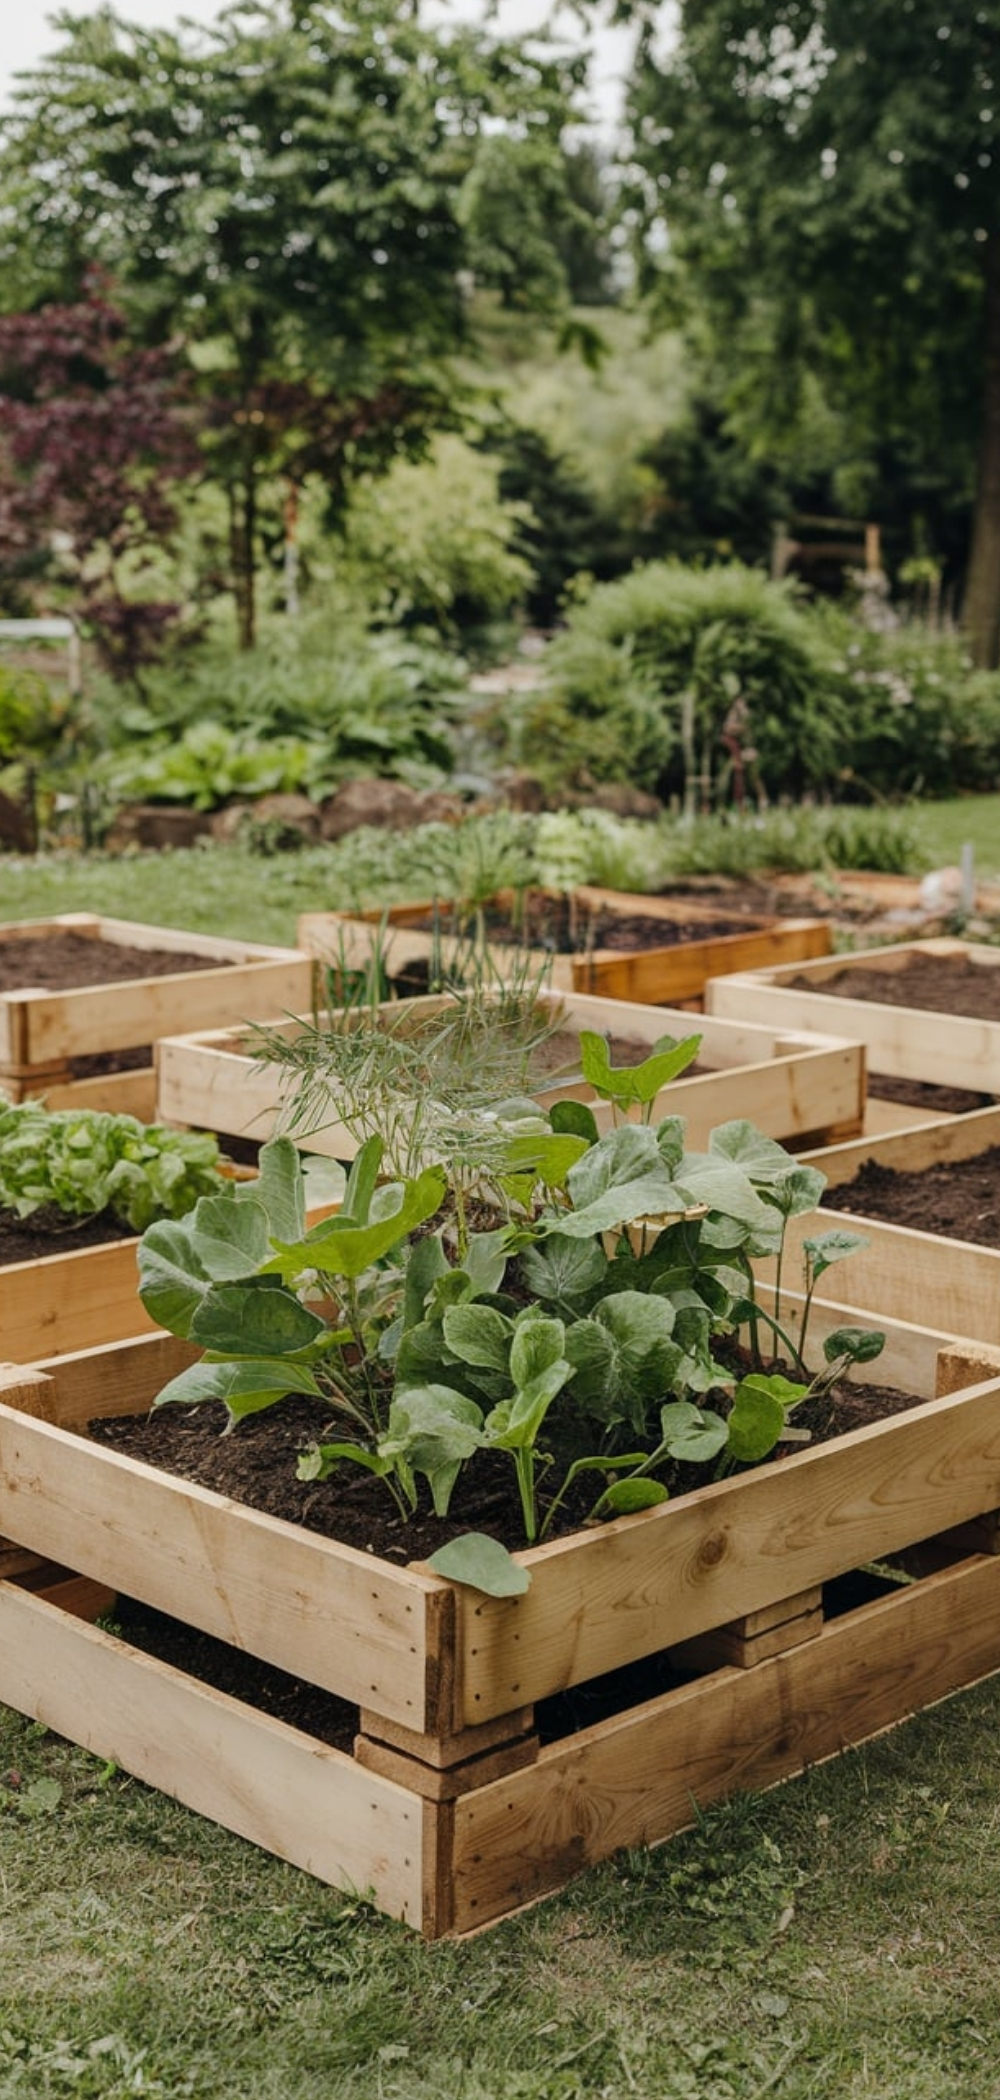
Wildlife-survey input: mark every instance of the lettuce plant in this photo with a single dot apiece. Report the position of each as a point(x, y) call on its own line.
point(80, 1162)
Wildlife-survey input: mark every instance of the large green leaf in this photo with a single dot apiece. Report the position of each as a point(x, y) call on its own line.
point(281, 1189)
point(244, 1388)
point(829, 1247)
point(342, 1248)
point(229, 1239)
point(757, 1418)
point(433, 1429)
point(478, 1334)
point(634, 1083)
point(362, 1180)
point(705, 1178)
point(548, 1156)
point(250, 1319)
point(537, 1344)
point(172, 1281)
point(481, 1563)
point(514, 1426)
point(563, 1272)
point(485, 1260)
point(623, 1356)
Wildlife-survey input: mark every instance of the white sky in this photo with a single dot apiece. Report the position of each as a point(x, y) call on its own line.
point(27, 35)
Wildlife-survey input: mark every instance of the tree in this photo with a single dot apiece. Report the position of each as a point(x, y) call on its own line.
point(94, 438)
point(823, 175)
point(283, 187)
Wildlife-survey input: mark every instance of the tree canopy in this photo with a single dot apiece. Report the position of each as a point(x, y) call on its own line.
point(284, 188)
point(822, 176)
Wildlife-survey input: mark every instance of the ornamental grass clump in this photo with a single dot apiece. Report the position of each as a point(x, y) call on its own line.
point(526, 1288)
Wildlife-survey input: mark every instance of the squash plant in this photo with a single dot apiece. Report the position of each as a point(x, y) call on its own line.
point(566, 1313)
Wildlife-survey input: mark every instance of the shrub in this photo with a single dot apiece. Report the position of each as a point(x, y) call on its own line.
point(923, 720)
point(612, 705)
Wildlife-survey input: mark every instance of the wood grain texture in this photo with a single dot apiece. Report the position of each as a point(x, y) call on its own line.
point(703, 1560)
point(39, 1026)
point(908, 1042)
point(319, 1610)
point(267, 1782)
point(641, 1778)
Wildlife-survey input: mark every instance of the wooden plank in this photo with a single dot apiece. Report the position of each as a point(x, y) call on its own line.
point(303, 1802)
point(111, 1093)
point(641, 1778)
point(602, 1599)
point(445, 1782)
point(85, 1021)
point(789, 1086)
point(655, 975)
point(660, 975)
point(76, 1388)
point(920, 1145)
point(909, 1275)
point(79, 1300)
point(338, 1618)
point(882, 1118)
point(908, 1042)
point(70, 1301)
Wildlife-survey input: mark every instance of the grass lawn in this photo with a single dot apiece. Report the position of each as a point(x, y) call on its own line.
point(837, 1937)
point(968, 819)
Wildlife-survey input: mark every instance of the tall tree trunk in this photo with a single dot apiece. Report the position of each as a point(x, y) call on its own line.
point(981, 606)
point(242, 536)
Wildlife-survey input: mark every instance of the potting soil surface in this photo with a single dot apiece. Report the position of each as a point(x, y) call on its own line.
point(943, 984)
point(30, 1239)
point(958, 1198)
point(554, 924)
point(68, 961)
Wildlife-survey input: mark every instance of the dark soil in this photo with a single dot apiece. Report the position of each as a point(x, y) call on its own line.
point(552, 923)
point(67, 961)
point(255, 1464)
point(943, 984)
point(30, 1239)
point(923, 1094)
point(959, 1198)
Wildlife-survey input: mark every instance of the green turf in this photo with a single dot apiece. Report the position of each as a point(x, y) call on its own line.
point(837, 1937)
point(968, 820)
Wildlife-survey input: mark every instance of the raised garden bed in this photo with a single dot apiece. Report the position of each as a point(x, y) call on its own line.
point(78, 990)
point(927, 1011)
point(451, 1811)
point(918, 1272)
point(792, 1086)
point(616, 945)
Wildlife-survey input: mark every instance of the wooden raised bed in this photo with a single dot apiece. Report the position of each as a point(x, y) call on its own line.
point(656, 975)
point(791, 1086)
point(906, 1274)
point(42, 1031)
point(450, 1813)
point(907, 1042)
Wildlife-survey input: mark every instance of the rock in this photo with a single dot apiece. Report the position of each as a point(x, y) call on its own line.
point(287, 812)
point(388, 805)
point(152, 824)
point(522, 791)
